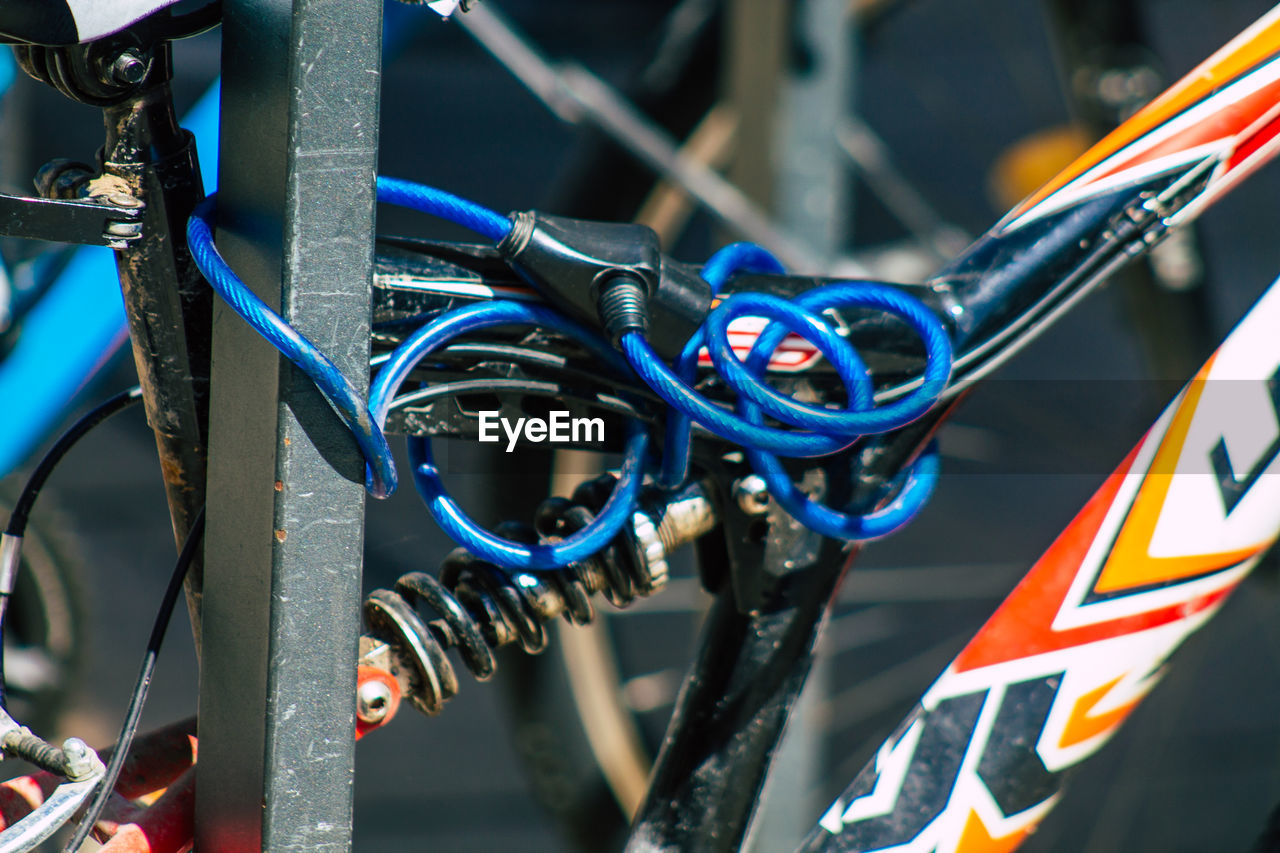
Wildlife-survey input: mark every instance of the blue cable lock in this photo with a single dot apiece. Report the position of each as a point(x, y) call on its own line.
point(820, 431)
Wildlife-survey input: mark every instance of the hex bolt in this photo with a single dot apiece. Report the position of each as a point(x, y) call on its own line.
point(373, 701)
point(80, 759)
point(661, 528)
point(127, 69)
point(752, 494)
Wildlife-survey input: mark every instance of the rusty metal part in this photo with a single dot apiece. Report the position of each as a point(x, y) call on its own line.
point(148, 165)
point(103, 221)
point(74, 760)
point(168, 303)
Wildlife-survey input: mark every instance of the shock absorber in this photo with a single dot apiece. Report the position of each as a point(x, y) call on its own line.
point(477, 607)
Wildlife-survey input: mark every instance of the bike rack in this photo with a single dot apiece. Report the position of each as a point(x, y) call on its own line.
point(285, 490)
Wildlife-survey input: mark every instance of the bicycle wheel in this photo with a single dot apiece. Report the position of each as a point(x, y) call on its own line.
point(45, 624)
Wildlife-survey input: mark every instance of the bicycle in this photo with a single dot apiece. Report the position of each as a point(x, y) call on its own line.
point(743, 588)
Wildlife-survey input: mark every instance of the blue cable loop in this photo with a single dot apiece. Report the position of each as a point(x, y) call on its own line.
point(823, 431)
point(615, 513)
point(859, 418)
point(380, 476)
point(735, 258)
point(678, 438)
point(445, 205)
point(799, 315)
point(649, 366)
point(917, 485)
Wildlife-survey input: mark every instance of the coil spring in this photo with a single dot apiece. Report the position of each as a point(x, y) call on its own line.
point(479, 607)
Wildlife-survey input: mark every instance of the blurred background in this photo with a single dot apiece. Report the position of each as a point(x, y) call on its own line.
point(944, 113)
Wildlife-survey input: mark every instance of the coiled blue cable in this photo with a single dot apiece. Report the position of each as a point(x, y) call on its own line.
point(380, 476)
point(719, 268)
point(821, 431)
point(615, 513)
point(826, 427)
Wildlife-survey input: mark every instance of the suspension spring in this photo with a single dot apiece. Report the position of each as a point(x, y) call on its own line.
point(477, 606)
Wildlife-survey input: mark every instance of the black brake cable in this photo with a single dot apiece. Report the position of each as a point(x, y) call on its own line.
point(11, 540)
point(78, 430)
point(107, 783)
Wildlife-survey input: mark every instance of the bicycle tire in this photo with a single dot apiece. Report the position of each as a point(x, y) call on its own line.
point(45, 626)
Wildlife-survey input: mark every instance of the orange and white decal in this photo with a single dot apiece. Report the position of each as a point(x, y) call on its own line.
point(1086, 635)
point(1226, 110)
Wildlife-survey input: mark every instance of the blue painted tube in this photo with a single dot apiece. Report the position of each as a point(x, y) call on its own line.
point(76, 328)
point(79, 325)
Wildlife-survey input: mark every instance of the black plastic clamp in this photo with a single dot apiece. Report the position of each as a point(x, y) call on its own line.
point(611, 275)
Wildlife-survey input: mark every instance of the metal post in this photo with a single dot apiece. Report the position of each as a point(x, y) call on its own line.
point(813, 199)
point(812, 184)
point(285, 500)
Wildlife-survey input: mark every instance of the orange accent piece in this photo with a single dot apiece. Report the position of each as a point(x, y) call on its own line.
point(1033, 160)
point(974, 838)
point(1023, 626)
point(366, 673)
point(1083, 724)
point(1130, 563)
point(1238, 122)
point(1244, 52)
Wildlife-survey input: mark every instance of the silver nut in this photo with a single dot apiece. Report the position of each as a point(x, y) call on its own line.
point(128, 69)
point(122, 232)
point(81, 760)
point(752, 494)
point(651, 550)
point(373, 701)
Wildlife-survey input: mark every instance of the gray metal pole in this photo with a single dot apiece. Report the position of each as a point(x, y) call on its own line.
point(811, 194)
point(285, 498)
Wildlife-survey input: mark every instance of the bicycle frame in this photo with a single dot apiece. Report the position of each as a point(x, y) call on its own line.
point(1152, 556)
point(1150, 559)
point(1147, 561)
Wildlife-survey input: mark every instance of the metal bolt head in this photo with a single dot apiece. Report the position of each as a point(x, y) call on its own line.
point(373, 701)
point(752, 494)
point(80, 759)
point(122, 199)
point(127, 69)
